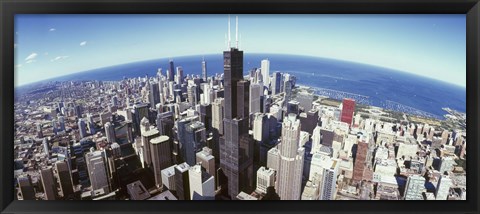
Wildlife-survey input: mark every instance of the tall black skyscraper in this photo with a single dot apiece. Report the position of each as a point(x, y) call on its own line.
point(154, 96)
point(235, 158)
point(171, 71)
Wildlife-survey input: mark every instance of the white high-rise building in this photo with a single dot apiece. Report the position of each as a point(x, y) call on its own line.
point(217, 114)
point(202, 184)
point(414, 188)
point(110, 132)
point(256, 91)
point(206, 159)
point(289, 177)
point(443, 188)
point(329, 181)
point(97, 170)
point(265, 179)
point(168, 177)
point(266, 71)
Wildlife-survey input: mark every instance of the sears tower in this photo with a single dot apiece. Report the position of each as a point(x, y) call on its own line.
point(236, 149)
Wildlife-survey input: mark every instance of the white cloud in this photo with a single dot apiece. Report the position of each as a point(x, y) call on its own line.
point(46, 53)
point(18, 66)
point(31, 56)
point(52, 29)
point(31, 61)
point(59, 58)
point(83, 43)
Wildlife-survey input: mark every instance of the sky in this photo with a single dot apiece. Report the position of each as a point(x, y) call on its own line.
point(52, 45)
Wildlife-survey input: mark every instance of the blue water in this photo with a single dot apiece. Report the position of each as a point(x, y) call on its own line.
point(378, 83)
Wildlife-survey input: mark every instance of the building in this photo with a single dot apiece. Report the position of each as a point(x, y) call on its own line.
point(289, 177)
point(360, 161)
point(64, 179)
point(443, 188)
point(236, 162)
point(202, 184)
point(204, 70)
point(161, 156)
point(182, 183)
point(276, 81)
point(168, 178)
point(154, 94)
point(48, 183)
point(414, 188)
point(305, 100)
point(207, 160)
point(265, 68)
point(110, 132)
point(179, 76)
point(26, 187)
point(147, 136)
point(97, 170)
point(265, 179)
point(194, 139)
point(245, 196)
point(256, 92)
point(348, 108)
point(329, 182)
point(82, 128)
point(170, 75)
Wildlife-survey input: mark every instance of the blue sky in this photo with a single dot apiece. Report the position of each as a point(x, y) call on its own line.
point(50, 45)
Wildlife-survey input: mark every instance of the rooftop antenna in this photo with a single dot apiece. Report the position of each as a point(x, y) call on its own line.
point(226, 41)
point(236, 31)
point(229, 32)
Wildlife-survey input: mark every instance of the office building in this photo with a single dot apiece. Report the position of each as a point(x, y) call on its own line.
point(206, 160)
point(161, 156)
point(26, 187)
point(265, 179)
point(168, 178)
point(218, 114)
point(82, 128)
point(289, 177)
point(48, 183)
point(414, 188)
point(265, 68)
point(256, 92)
point(154, 94)
point(202, 184)
point(204, 70)
point(147, 136)
point(443, 188)
point(110, 132)
point(182, 183)
point(64, 179)
point(179, 75)
point(276, 82)
point(329, 181)
point(97, 170)
point(348, 108)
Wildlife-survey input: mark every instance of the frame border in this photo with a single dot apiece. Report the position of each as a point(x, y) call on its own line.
point(8, 9)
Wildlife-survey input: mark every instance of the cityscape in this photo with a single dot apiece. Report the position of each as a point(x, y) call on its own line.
point(229, 136)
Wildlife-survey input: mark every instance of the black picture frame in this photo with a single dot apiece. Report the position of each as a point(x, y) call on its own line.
point(8, 8)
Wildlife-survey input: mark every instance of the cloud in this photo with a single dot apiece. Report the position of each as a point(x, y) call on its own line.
point(18, 66)
point(15, 45)
point(83, 43)
point(31, 56)
point(59, 58)
point(52, 29)
point(31, 61)
point(46, 54)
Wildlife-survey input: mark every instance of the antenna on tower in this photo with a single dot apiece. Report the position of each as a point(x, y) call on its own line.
point(236, 31)
point(229, 44)
point(226, 46)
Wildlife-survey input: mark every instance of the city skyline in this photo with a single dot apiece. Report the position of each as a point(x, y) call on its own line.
point(66, 44)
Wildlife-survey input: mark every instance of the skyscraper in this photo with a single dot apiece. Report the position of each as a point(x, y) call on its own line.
point(443, 188)
point(39, 130)
point(206, 159)
point(171, 70)
point(256, 92)
point(82, 128)
point(182, 184)
point(65, 179)
point(265, 179)
point(329, 181)
point(360, 161)
point(161, 156)
point(147, 136)
point(289, 177)
point(48, 183)
point(235, 162)
point(414, 188)
point(110, 132)
point(179, 75)
point(266, 71)
point(276, 81)
point(202, 184)
point(218, 114)
point(154, 94)
point(204, 70)
point(348, 107)
point(26, 187)
point(97, 170)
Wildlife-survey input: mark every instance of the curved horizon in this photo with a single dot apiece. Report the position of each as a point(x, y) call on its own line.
point(245, 54)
